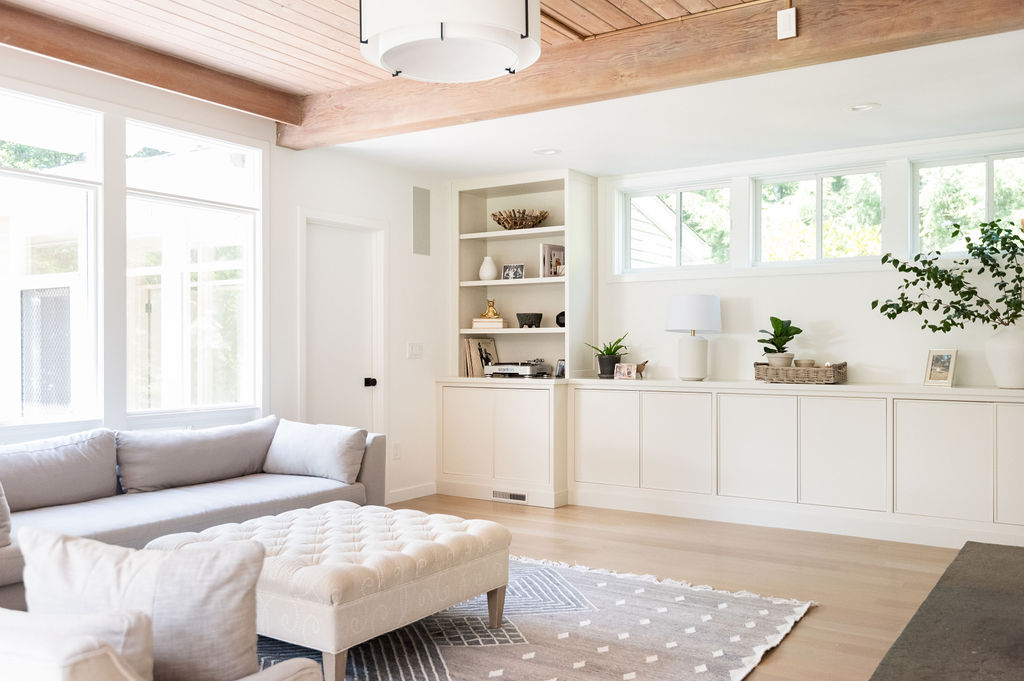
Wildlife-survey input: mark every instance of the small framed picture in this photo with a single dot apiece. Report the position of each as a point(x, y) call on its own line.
point(625, 372)
point(560, 369)
point(941, 368)
point(513, 271)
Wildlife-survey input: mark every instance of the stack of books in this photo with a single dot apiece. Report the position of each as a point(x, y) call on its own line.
point(488, 323)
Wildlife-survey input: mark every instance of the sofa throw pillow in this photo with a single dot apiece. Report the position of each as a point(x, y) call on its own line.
point(323, 451)
point(5, 520)
point(149, 460)
point(39, 656)
point(201, 598)
point(128, 632)
point(59, 470)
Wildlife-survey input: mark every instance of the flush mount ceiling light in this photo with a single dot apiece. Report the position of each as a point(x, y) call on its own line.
point(547, 152)
point(865, 106)
point(450, 41)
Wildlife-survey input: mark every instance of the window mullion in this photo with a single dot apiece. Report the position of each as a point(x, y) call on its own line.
point(819, 219)
point(990, 189)
point(679, 229)
point(112, 280)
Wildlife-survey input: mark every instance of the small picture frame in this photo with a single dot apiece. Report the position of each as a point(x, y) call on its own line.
point(625, 371)
point(513, 271)
point(941, 368)
point(560, 369)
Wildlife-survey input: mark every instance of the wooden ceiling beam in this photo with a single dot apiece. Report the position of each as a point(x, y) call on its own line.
point(719, 46)
point(61, 40)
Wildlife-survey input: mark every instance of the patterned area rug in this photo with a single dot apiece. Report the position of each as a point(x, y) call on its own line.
point(567, 623)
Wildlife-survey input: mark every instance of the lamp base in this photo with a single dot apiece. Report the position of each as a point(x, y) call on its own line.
point(693, 358)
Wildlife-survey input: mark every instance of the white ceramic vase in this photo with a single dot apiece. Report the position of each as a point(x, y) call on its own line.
point(780, 359)
point(1005, 354)
point(488, 270)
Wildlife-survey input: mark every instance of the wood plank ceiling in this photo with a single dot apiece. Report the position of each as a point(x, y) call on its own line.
point(305, 47)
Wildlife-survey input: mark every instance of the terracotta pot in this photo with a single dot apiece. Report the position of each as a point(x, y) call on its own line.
point(780, 359)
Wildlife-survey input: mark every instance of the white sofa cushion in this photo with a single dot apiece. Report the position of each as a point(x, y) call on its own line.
point(59, 470)
point(202, 600)
point(158, 459)
point(45, 656)
point(128, 632)
point(324, 451)
point(5, 520)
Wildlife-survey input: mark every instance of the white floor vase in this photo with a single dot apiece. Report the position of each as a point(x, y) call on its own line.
point(1005, 354)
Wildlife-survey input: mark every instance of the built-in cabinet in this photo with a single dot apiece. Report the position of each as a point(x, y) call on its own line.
point(676, 446)
point(606, 425)
point(757, 437)
point(1010, 463)
point(506, 438)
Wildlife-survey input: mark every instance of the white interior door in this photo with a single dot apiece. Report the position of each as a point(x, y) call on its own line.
point(339, 324)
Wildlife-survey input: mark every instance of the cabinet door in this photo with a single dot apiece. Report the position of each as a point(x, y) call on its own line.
point(468, 431)
point(1010, 463)
point(522, 435)
point(675, 442)
point(944, 459)
point(842, 452)
point(757, 446)
point(606, 432)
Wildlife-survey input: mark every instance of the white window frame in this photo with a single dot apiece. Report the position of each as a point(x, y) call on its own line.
point(819, 244)
point(679, 266)
point(108, 276)
point(990, 189)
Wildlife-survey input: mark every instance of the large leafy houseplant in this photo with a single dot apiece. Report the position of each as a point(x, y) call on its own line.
point(984, 287)
point(949, 296)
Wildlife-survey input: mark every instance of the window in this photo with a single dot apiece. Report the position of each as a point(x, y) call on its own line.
point(679, 228)
point(193, 214)
point(958, 194)
point(48, 191)
point(823, 218)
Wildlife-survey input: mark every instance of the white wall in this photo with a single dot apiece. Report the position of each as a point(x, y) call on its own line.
point(321, 182)
point(830, 302)
point(331, 183)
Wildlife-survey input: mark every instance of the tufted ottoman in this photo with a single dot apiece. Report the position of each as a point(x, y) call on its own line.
point(339, 574)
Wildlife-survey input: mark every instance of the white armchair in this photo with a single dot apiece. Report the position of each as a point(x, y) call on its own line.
point(32, 650)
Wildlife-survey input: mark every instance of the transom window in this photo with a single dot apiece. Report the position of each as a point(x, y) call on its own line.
point(678, 228)
point(966, 193)
point(824, 217)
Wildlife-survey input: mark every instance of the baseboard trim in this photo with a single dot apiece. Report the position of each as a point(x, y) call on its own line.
point(476, 490)
point(416, 491)
point(884, 525)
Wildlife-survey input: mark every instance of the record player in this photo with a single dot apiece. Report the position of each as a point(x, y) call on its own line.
point(536, 368)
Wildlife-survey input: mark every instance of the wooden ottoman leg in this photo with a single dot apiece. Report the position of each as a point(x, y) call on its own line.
point(334, 666)
point(496, 606)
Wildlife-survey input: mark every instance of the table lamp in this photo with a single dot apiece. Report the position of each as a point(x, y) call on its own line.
point(693, 314)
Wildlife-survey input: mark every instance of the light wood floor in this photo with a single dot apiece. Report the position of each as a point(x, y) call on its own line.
point(867, 590)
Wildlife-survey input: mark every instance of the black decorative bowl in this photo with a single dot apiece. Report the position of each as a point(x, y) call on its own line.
point(560, 319)
point(528, 319)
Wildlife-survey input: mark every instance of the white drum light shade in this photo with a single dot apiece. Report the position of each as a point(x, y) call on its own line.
point(450, 41)
point(694, 314)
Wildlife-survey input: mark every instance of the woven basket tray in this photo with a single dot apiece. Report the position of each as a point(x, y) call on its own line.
point(823, 375)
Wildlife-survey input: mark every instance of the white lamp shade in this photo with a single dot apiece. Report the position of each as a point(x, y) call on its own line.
point(696, 313)
point(451, 41)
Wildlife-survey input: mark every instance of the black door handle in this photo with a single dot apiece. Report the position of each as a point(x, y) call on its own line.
point(369, 382)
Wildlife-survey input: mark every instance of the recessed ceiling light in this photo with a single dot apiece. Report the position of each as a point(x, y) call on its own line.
point(547, 152)
point(865, 106)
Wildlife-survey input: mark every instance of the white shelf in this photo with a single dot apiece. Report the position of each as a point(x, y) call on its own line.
point(514, 282)
point(511, 234)
point(491, 332)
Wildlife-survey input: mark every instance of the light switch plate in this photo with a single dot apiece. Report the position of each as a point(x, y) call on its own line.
point(414, 350)
point(787, 23)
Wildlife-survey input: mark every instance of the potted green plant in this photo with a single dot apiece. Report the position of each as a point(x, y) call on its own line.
point(782, 333)
point(608, 355)
point(985, 287)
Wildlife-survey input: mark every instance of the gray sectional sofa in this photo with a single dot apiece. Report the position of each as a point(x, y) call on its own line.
point(129, 487)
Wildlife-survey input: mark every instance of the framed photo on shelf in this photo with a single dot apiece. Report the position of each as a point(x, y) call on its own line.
point(513, 271)
point(552, 260)
point(625, 371)
point(941, 368)
point(560, 369)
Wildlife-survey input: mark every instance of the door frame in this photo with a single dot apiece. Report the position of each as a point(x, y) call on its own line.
point(378, 307)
